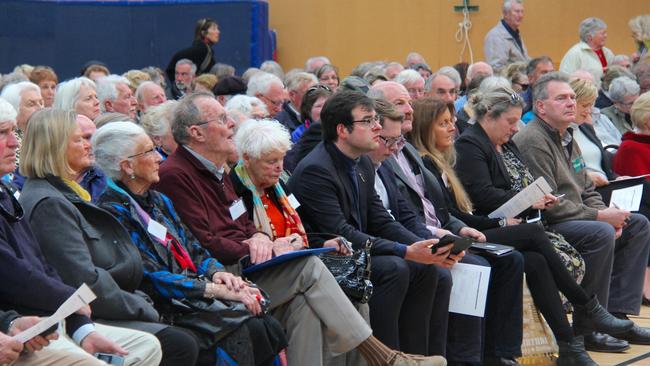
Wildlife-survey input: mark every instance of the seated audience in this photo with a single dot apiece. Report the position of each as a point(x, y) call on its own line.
point(269, 89)
point(613, 242)
point(623, 91)
point(46, 79)
point(304, 295)
point(115, 95)
point(175, 265)
point(413, 82)
point(612, 72)
point(157, 123)
point(297, 84)
point(632, 157)
point(78, 95)
point(328, 75)
point(335, 180)
point(33, 287)
point(149, 94)
point(433, 136)
point(82, 242)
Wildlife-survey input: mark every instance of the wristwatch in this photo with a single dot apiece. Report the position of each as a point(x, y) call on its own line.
point(503, 222)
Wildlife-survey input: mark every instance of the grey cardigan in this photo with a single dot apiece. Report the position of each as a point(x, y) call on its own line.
point(85, 243)
point(541, 145)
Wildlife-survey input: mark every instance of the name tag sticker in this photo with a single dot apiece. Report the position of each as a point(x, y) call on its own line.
point(156, 229)
point(293, 201)
point(237, 209)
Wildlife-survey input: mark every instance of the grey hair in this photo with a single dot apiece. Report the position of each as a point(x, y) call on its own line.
point(272, 67)
point(156, 75)
point(589, 27)
point(221, 70)
point(107, 88)
point(311, 60)
point(471, 70)
point(507, 4)
point(408, 76)
point(540, 89)
point(7, 111)
point(495, 101)
point(261, 83)
point(244, 104)
point(157, 120)
point(413, 57)
point(452, 73)
point(622, 87)
point(185, 61)
point(613, 72)
point(427, 84)
point(295, 80)
point(257, 138)
point(68, 91)
point(113, 143)
point(187, 114)
point(620, 58)
point(12, 78)
point(494, 82)
point(12, 93)
point(140, 90)
point(249, 73)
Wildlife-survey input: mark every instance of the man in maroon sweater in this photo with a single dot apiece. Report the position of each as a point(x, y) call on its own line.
point(304, 295)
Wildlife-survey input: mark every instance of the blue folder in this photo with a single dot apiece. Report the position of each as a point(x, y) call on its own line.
point(285, 258)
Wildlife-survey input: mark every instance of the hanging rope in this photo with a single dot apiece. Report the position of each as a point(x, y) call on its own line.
point(462, 35)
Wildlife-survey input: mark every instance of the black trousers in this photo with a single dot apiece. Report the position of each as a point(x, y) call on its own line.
point(179, 348)
point(545, 274)
point(402, 303)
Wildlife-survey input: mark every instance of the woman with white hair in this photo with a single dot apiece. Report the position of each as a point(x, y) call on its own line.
point(623, 91)
point(176, 267)
point(243, 107)
point(256, 178)
point(79, 95)
point(590, 53)
point(157, 123)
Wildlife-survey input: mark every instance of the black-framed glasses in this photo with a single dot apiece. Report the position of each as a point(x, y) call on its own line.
point(144, 153)
point(369, 121)
point(392, 141)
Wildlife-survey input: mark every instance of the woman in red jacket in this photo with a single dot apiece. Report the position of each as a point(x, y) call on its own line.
point(633, 155)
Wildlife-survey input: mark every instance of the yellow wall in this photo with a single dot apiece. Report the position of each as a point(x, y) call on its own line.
point(353, 31)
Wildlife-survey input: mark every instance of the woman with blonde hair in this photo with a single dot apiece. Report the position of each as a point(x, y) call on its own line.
point(433, 135)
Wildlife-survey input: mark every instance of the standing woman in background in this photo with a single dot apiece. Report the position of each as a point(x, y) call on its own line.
point(206, 34)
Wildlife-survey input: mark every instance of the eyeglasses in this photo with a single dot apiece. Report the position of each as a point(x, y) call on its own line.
point(145, 153)
point(392, 141)
point(222, 120)
point(370, 121)
point(276, 103)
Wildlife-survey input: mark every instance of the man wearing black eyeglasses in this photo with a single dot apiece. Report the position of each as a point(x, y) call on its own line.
point(335, 184)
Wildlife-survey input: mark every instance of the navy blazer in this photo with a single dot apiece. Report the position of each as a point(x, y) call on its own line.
point(481, 170)
point(433, 191)
point(288, 118)
point(326, 192)
point(399, 206)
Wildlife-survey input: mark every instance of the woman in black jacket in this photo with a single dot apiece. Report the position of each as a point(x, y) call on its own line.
point(433, 135)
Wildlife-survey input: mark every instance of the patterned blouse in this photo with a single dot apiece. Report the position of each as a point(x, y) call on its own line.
point(520, 176)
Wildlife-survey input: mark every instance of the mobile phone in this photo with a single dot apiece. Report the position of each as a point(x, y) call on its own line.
point(110, 359)
point(460, 243)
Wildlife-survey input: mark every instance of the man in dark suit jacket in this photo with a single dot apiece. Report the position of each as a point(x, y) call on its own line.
point(335, 186)
point(424, 194)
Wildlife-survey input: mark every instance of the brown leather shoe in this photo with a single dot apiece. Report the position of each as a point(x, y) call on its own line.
point(404, 359)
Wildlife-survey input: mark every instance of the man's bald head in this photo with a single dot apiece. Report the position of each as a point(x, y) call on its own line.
point(396, 94)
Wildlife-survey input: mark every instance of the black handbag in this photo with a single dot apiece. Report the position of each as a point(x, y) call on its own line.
point(213, 318)
point(352, 272)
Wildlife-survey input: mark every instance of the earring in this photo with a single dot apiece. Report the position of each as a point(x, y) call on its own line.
point(132, 176)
